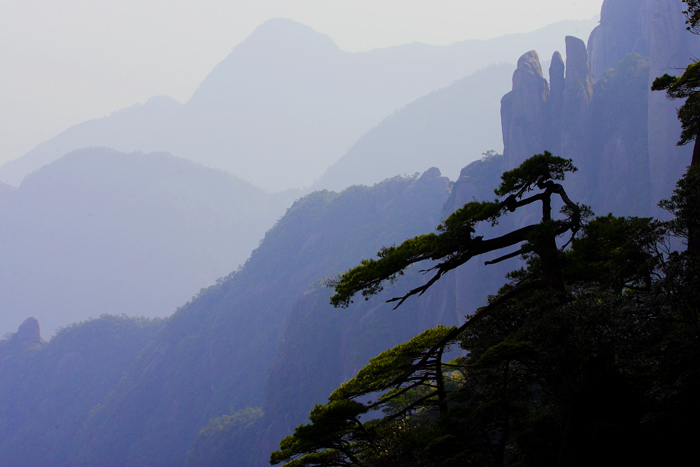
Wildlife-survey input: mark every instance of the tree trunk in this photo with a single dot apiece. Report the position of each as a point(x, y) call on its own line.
point(440, 383)
point(693, 234)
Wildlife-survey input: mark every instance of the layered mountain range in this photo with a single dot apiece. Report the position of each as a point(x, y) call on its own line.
point(287, 102)
point(99, 231)
point(271, 104)
point(241, 364)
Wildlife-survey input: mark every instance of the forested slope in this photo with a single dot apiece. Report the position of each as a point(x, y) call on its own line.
point(240, 365)
point(211, 357)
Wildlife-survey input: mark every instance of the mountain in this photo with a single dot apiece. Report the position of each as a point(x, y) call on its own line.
point(127, 130)
point(444, 127)
point(599, 110)
point(211, 357)
point(99, 231)
point(286, 103)
point(48, 389)
point(605, 120)
point(237, 367)
point(5, 192)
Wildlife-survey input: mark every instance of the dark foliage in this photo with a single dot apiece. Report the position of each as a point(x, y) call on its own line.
point(603, 371)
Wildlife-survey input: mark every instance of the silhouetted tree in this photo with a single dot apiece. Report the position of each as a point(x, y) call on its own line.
point(456, 242)
point(687, 86)
point(565, 366)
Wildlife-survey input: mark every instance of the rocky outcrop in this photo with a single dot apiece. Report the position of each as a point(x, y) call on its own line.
point(626, 154)
point(535, 118)
point(622, 30)
point(556, 100)
point(654, 29)
point(29, 333)
point(578, 94)
point(578, 85)
point(524, 112)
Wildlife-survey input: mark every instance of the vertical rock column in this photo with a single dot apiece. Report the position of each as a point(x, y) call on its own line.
point(556, 103)
point(29, 333)
point(524, 112)
point(578, 93)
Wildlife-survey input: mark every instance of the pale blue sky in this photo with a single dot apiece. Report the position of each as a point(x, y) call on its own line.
point(67, 61)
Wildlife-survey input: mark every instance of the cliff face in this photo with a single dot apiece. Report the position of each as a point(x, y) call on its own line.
point(654, 29)
point(671, 49)
point(524, 111)
point(622, 29)
point(535, 117)
point(619, 140)
point(602, 114)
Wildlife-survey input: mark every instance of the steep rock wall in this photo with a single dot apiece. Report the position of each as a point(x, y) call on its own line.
point(622, 29)
point(623, 140)
point(671, 49)
point(524, 111)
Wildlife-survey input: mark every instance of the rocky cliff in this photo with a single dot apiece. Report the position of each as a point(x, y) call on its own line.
point(524, 111)
point(602, 114)
point(265, 336)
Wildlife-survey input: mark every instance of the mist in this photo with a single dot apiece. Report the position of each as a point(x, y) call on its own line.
point(209, 214)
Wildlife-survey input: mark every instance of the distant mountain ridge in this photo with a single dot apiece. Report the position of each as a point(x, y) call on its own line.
point(443, 128)
point(265, 336)
point(286, 103)
point(99, 231)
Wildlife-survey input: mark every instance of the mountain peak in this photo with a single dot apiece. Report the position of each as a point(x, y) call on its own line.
point(284, 32)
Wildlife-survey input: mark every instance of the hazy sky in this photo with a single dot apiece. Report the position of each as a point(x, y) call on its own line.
point(63, 62)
